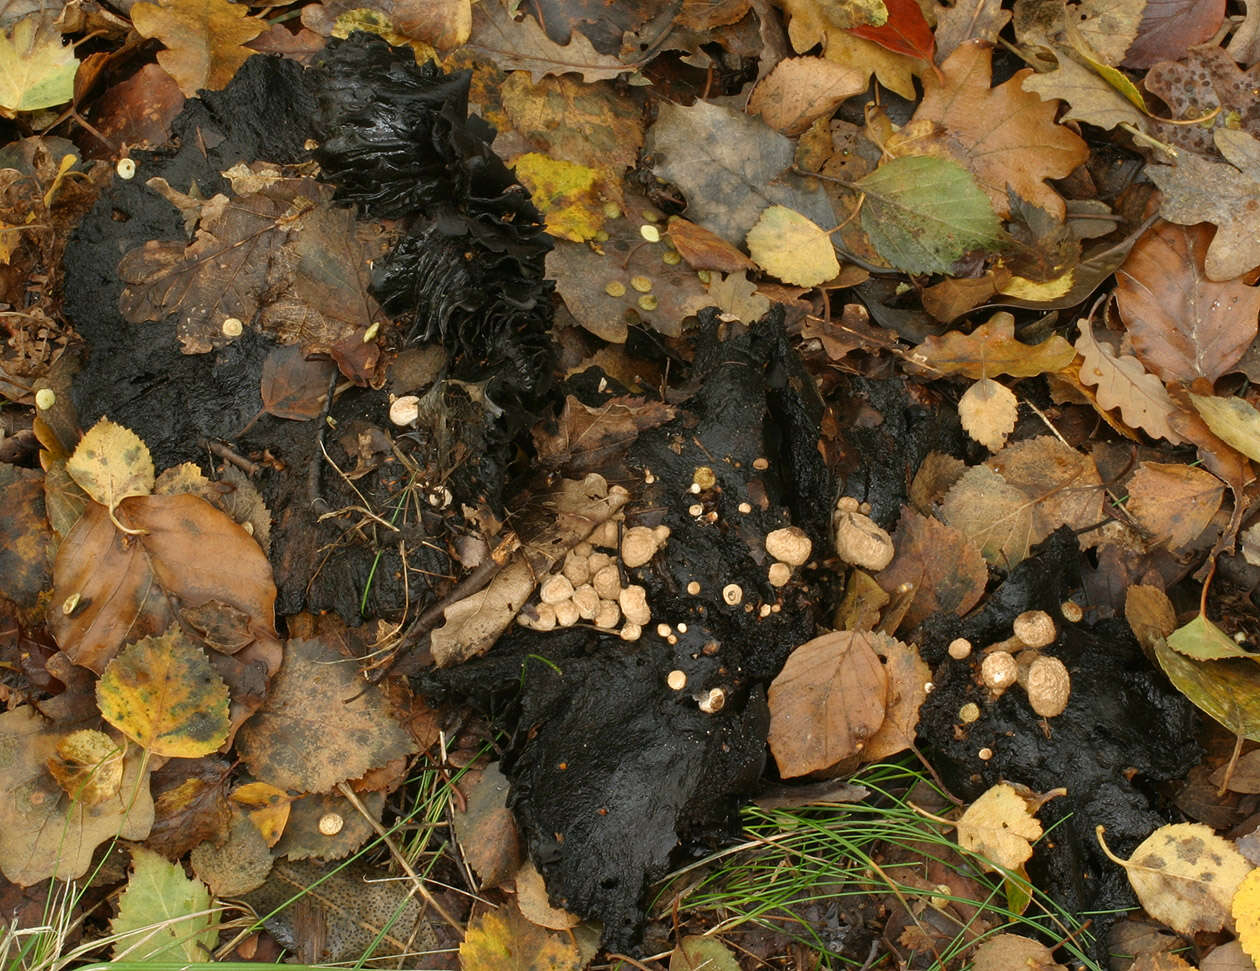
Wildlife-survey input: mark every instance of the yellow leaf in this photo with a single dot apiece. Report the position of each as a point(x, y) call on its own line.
point(36, 68)
point(1000, 827)
point(112, 463)
point(88, 766)
point(1185, 876)
point(204, 39)
point(793, 248)
point(1232, 420)
point(503, 940)
point(567, 193)
point(1246, 910)
point(163, 693)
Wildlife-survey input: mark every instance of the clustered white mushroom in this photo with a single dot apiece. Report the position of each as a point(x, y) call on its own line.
point(859, 541)
point(1018, 659)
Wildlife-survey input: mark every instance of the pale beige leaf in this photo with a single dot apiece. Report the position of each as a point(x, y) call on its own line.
point(802, 89)
point(1000, 827)
point(111, 463)
point(1122, 383)
point(1006, 951)
point(992, 513)
point(988, 411)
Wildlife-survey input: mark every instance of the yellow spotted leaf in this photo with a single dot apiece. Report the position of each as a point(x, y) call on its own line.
point(204, 38)
point(112, 463)
point(88, 765)
point(1246, 910)
point(1185, 876)
point(503, 940)
point(793, 248)
point(163, 693)
point(567, 193)
point(1000, 827)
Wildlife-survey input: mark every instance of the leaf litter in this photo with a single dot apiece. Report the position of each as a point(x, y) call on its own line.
point(269, 499)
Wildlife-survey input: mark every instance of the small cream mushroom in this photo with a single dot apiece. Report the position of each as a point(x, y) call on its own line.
point(584, 550)
point(1071, 611)
point(607, 615)
point(595, 485)
point(968, 713)
point(847, 504)
point(779, 574)
point(544, 617)
point(959, 648)
point(1035, 628)
point(633, 602)
point(607, 583)
point(576, 568)
point(567, 613)
point(1048, 685)
point(330, 824)
point(789, 545)
point(587, 601)
point(998, 671)
point(597, 561)
point(630, 631)
point(860, 542)
point(733, 594)
point(638, 545)
point(555, 589)
point(677, 680)
point(606, 535)
point(404, 410)
point(693, 588)
point(713, 701)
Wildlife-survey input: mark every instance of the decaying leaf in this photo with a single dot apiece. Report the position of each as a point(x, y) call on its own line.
point(1122, 383)
point(590, 434)
point(486, 829)
point(1174, 503)
point(204, 38)
point(1002, 952)
point(1233, 420)
point(36, 68)
point(162, 693)
point(162, 914)
point(988, 411)
point(702, 951)
point(791, 247)
point(992, 513)
point(944, 567)
point(826, 703)
point(522, 45)
point(88, 766)
point(1000, 826)
point(1228, 690)
point(503, 940)
point(1202, 640)
point(992, 349)
point(531, 899)
point(1185, 876)
point(908, 678)
point(111, 463)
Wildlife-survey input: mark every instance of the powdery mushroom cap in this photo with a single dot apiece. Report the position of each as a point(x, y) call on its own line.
point(587, 601)
point(555, 589)
point(607, 583)
point(567, 613)
point(862, 543)
point(789, 545)
point(607, 615)
point(638, 545)
point(1035, 628)
point(633, 602)
point(779, 574)
point(1048, 685)
point(998, 671)
point(959, 648)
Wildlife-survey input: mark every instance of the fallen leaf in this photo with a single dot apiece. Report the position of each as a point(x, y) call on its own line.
point(800, 90)
point(905, 31)
point(1089, 97)
point(570, 196)
point(1170, 28)
point(588, 435)
point(522, 45)
point(320, 724)
point(1183, 326)
point(988, 411)
point(43, 832)
point(531, 898)
point(923, 214)
point(990, 349)
point(993, 514)
point(503, 940)
point(268, 807)
point(1062, 484)
point(1005, 951)
point(811, 24)
point(162, 914)
point(204, 39)
point(788, 245)
point(162, 693)
point(236, 865)
point(88, 765)
point(738, 296)
point(908, 678)
point(944, 566)
point(964, 21)
point(36, 67)
point(1232, 420)
point(1203, 86)
point(1201, 640)
point(305, 838)
point(109, 587)
point(189, 805)
point(1229, 691)
point(1174, 503)
point(704, 250)
point(826, 702)
point(696, 951)
point(111, 463)
point(1185, 876)
point(1005, 136)
point(1123, 384)
point(1245, 908)
point(292, 386)
point(1226, 194)
point(1000, 827)
point(486, 829)
point(25, 537)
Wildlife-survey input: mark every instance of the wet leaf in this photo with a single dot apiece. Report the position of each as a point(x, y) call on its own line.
point(1185, 876)
point(1183, 326)
point(25, 539)
point(908, 677)
point(826, 703)
point(945, 567)
point(1123, 384)
point(1232, 420)
point(320, 725)
point(238, 864)
point(503, 940)
point(204, 39)
point(522, 45)
point(988, 411)
point(922, 214)
point(36, 67)
point(1229, 691)
point(162, 914)
point(588, 435)
point(111, 463)
point(1202, 640)
point(993, 514)
point(702, 951)
point(292, 386)
point(486, 829)
point(1000, 826)
point(704, 250)
point(789, 246)
point(88, 765)
point(906, 31)
point(569, 195)
point(162, 693)
point(991, 349)
point(1174, 503)
point(531, 898)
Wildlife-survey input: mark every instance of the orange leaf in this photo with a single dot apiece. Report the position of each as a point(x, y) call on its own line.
point(204, 39)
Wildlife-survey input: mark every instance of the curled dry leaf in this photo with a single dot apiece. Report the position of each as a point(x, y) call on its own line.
point(990, 349)
point(1000, 826)
point(1123, 384)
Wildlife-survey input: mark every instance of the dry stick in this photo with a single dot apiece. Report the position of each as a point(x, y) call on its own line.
point(227, 454)
point(429, 899)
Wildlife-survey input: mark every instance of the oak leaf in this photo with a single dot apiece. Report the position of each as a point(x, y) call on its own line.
point(162, 693)
point(1206, 88)
point(1226, 194)
point(1006, 136)
point(1183, 325)
point(522, 45)
point(990, 349)
point(587, 435)
point(1088, 96)
point(204, 38)
point(1122, 383)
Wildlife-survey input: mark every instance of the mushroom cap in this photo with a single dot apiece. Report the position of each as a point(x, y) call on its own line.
point(638, 545)
point(779, 574)
point(587, 601)
point(998, 671)
point(404, 410)
point(733, 593)
point(860, 542)
point(959, 648)
point(555, 589)
point(633, 602)
point(1048, 685)
point(607, 583)
point(1035, 628)
point(789, 545)
point(607, 615)
point(567, 613)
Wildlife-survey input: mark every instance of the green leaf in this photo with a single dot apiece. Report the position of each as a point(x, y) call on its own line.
point(36, 68)
point(923, 213)
point(697, 951)
point(1232, 420)
point(1202, 640)
point(162, 914)
point(1229, 691)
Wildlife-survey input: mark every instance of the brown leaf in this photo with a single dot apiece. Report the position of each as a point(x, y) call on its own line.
point(968, 20)
point(704, 250)
point(1122, 383)
point(908, 678)
point(1206, 84)
point(945, 567)
point(1169, 29)
point(826, 703)
point(320, 724)
point(1005, 951)
point(1174, 503)
point(486, 829)
point(292, 386)
point(1183, 326)
point(1005, 136)
point(204, 39)
point(308, 835)
point(992, 349)
point(190, 805)
point(503, 940)
point(802, 89)
point(235, 865)
point(109, 587)
point(589, 435)
point(531, 898)
point(522, 45)
point(25, 539)
point(993, 514)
